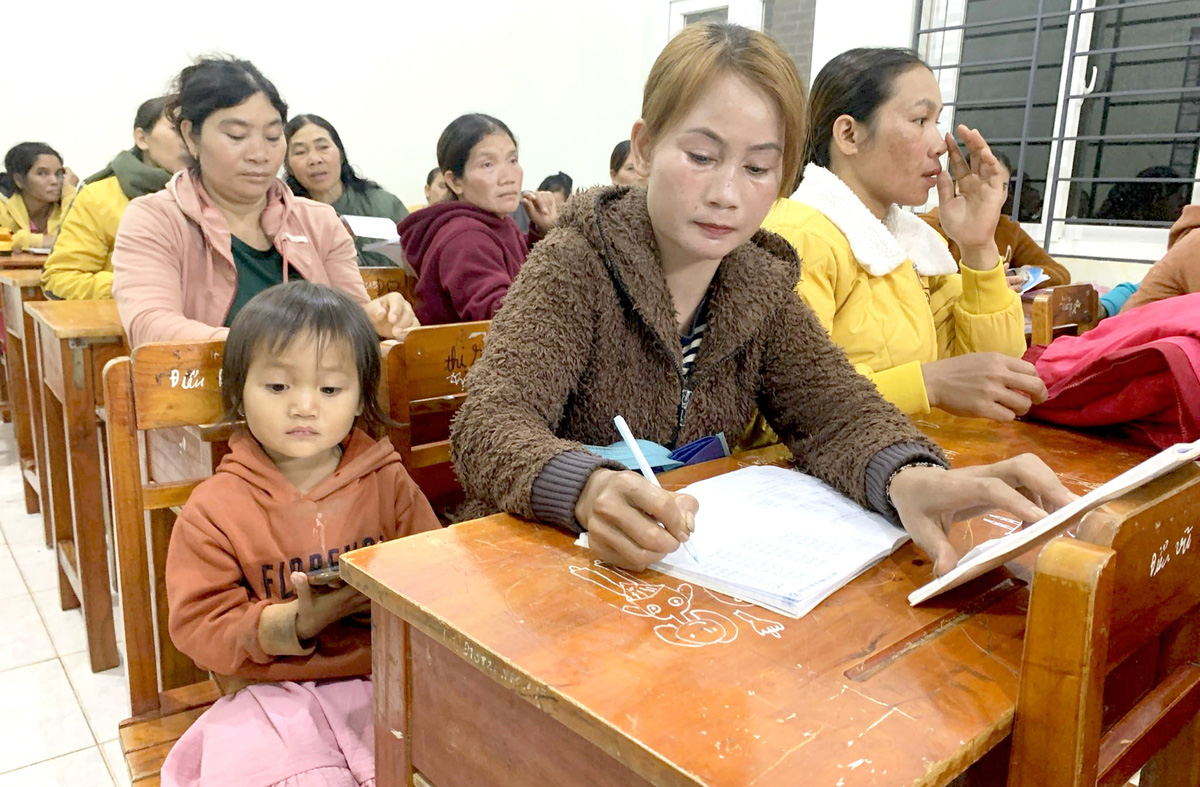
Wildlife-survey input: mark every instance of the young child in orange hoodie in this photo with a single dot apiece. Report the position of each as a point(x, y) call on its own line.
point(299, 488)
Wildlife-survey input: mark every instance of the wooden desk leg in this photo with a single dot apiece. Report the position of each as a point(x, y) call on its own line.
point(22, 423)
point(87, 504)
point(392, 688)
point(57, 508)
point(33, 395)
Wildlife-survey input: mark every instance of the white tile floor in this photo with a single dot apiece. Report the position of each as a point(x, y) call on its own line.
point(60, 724)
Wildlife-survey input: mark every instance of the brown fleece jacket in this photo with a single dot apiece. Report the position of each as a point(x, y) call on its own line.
point(588, 331)
point(1016, 247)
point(1178, 272)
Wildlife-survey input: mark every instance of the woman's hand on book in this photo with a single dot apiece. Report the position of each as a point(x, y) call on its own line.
point(929, 499)
point(621, 512)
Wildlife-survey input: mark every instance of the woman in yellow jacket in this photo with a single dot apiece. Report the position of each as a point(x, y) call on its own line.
point(80, 267)
point(928, 331)
point(39, 192)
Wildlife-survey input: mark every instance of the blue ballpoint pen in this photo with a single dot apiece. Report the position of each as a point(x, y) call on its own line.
point(627, 436)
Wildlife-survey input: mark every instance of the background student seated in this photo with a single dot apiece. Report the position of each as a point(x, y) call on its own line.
point(558, 184)
point(80, 267)
point(435, 189)
point(189, 257)
point(317, 168)
point(927, 330)
point(467, 250)
point(621, 167)
point(39, 190)
point(667, 305)
point(1178, 272)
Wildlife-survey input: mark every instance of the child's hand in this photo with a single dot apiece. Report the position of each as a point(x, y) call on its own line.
point(318, 608)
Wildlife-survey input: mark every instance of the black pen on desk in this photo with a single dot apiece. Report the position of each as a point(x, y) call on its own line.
point(627, 436)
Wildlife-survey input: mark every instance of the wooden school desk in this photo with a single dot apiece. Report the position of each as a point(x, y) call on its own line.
point(18, 287)
point(23, 259)
point(503, 655)
point(75, 339)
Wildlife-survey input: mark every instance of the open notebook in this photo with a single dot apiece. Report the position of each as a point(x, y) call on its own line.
point(778, 538)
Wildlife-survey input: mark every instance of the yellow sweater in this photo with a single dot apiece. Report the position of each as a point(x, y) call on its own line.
point(892, 321)
point(80, 267)
point(15, 216)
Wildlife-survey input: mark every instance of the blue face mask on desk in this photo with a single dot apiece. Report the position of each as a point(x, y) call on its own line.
point(661, 459)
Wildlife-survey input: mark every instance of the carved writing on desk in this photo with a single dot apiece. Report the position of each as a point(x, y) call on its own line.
point(458, 361)
point(1162, 556)
point(681, 623)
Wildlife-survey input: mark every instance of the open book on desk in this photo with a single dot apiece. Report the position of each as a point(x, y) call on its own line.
point(998, 551)
point(778, 538)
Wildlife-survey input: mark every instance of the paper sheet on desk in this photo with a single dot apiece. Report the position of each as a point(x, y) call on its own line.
point(996, 552)
point(778, 538)
point(372, 227)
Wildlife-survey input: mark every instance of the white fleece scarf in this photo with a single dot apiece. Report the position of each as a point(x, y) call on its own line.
point(880, 247)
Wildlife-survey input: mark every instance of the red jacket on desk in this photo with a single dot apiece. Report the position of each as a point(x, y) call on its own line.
point(465, 259)
point(1139, 369)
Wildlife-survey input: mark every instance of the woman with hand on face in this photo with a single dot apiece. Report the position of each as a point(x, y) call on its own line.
point(190, 256)
point(467, 250)
point(598, 321)
point(929, 332)
point(317, 168)
point(40, 191)
point(80, 267)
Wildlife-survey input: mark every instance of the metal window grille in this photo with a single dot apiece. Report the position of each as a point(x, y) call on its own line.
point(1095, 104)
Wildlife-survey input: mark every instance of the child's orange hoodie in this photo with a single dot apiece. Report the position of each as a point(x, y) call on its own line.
point(245, 530)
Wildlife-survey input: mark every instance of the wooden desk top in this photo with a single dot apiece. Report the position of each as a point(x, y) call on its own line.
point(78, 319)
point(864, 690)
point(21, 278)
point(23, 259)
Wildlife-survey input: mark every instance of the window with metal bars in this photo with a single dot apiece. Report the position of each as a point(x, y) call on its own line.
point(1095, 105)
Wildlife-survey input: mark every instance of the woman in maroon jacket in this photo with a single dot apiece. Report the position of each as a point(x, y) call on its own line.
point(467, 251)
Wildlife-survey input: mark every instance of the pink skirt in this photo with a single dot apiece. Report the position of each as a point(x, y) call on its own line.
point(292, 734)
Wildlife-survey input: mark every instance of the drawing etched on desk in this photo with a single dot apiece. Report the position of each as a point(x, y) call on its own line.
point(681, 624)
point(763, 628)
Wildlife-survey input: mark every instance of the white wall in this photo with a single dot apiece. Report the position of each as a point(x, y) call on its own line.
point(565, 76)
point(839, 25)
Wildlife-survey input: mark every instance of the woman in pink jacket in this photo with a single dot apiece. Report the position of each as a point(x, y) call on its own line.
point(189, 257)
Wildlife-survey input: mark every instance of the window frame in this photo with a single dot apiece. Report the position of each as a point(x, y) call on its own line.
point(938, 37)
point(747, 13)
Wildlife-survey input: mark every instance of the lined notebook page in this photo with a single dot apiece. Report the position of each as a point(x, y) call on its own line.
point(779, 538)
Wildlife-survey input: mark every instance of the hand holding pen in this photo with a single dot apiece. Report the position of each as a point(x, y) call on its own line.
point(631, 522)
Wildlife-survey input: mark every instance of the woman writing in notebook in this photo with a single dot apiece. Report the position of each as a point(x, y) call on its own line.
point(928, 331)
point(667, 305)
point(189, 257)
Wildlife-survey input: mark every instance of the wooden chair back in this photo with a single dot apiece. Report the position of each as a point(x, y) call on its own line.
point(1068, 308)
point(160, 386)
point(426, 373)
point(1110, 677)
point(381, 281)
